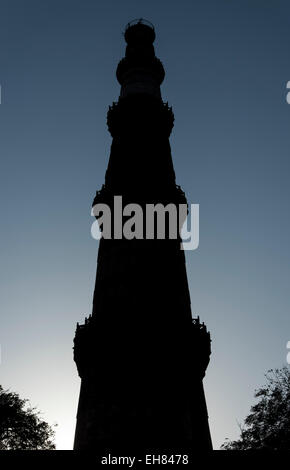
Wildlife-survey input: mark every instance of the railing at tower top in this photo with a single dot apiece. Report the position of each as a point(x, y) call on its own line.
point(139, 21)
point(139, 30)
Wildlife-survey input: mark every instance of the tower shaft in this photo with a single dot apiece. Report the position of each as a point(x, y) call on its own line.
point(140, 356)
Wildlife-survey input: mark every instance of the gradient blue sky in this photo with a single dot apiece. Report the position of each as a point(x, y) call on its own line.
point(227, 64)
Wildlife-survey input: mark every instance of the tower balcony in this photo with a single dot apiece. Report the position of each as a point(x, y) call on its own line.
point(82, 345)
point(139, 114)
point(201, 346)
point(86, 346)
point(144, 64)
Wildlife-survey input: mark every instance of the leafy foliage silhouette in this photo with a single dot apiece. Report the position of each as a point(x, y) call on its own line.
point(267, 427)
point(21, 428)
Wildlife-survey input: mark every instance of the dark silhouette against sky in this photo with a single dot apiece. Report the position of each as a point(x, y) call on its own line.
point(227, 65)
point(140, 355)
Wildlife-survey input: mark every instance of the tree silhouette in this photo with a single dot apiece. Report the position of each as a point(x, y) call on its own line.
point(20, 425)
point(267, 427)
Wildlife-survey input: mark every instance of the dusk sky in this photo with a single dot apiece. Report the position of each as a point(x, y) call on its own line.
point(227, 64)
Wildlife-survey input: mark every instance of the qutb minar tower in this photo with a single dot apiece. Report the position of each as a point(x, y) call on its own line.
point(140, 355)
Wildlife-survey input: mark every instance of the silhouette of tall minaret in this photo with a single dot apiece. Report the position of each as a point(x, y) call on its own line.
point(140, 355)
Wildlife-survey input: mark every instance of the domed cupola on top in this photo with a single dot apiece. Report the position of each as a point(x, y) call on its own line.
point(140, 71)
